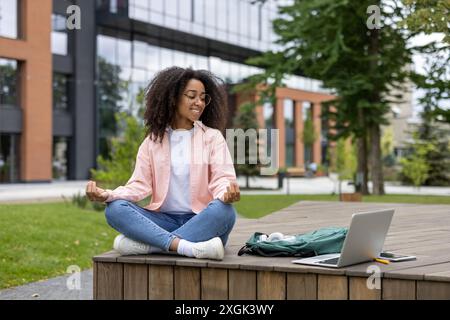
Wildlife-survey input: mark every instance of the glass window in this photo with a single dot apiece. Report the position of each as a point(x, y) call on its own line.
point(9, 19)
point(60, 158)
point(185, 10)
point(171, 13)
point(157, 11)
point(139, 54)
point(124, 52)
point(59, 35)
point(233, 20)
point(210, 19)
point(8, 82)
point(179, 59)
point(139, 10)
point(106, 48)
point(9, 157)
point(153, 58)
point(244, 23)
point(166, 58)
point(199, 11)
point(288, 105)
point(254, 20)
point(60, 91)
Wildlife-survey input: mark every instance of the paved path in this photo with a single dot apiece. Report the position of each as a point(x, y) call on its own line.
point(36, 192)
point(53, 289)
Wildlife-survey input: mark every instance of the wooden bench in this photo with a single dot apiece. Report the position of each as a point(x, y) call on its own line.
point(421, 230)
point(352, 197)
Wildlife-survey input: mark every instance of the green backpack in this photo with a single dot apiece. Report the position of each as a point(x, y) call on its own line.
point(321, 241)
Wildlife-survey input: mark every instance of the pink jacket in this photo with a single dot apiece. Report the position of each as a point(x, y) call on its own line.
point(211, 170)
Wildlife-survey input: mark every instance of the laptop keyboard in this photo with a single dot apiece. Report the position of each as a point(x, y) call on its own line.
point(330, 261)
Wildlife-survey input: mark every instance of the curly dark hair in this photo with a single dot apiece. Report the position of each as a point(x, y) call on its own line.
point(166, 88)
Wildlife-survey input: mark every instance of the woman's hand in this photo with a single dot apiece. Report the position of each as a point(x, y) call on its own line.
point(95, 193)
point(233, 193)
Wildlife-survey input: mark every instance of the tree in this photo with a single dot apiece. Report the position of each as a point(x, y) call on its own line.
point(309, 136)
point(116, 169)
point(415, 166)
point(111, 90)
point(330, 41)
point(438, 157)
point(428, 17)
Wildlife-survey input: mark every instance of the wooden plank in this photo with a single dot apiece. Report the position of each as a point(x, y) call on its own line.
point(95, 277)
point(110, 256)
point(271, 285)
point(359, 290)
point(432, 290)
point(135, 281)
point(397, 289)
point(214, 284)
point(187, 283)
point(330, 287)
point(301, 286)
point(438, 276)
point(419, 272)
point(109, 281)
point(241, 284)
point(160, 282)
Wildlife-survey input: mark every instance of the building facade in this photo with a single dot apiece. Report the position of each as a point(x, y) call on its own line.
point(60, 88)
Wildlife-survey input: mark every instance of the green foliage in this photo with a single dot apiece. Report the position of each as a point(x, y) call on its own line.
point(309, 135)
point(111, 90)
point(387, 147)
point(415, 166)
point(345, 159)
point(117, 169)
point(427, 16)
point(430, 17)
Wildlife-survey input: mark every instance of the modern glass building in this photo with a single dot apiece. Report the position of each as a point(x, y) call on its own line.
point(59, 88)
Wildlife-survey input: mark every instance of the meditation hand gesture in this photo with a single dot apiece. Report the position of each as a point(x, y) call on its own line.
point(95, 193)
point(232, 194)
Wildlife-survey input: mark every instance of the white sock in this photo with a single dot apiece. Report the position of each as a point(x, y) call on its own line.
point(185, 248)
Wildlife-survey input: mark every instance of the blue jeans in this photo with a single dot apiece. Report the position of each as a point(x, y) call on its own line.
point(158, 229)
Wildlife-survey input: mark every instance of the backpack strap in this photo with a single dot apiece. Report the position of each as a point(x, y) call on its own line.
point(243, 250)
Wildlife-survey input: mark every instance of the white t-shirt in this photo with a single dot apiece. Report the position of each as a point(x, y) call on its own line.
point(178, 199)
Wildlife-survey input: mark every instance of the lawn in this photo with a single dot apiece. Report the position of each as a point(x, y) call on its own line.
point(39, 241)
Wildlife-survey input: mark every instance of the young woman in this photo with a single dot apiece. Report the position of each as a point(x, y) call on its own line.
point(184, 163)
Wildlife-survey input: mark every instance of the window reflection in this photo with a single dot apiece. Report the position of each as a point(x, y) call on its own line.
point(9, 18)
point(60, 158)
point(8, 82)
point(60, 91)
point(59, 37)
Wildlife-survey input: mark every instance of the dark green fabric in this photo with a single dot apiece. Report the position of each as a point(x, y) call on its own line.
point(321, 241)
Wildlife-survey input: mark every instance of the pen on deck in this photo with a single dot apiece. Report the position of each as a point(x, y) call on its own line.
point(382, 261)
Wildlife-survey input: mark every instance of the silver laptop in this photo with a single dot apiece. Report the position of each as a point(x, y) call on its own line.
point(364, 241)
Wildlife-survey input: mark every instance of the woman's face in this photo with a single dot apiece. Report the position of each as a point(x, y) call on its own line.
point(192, 101)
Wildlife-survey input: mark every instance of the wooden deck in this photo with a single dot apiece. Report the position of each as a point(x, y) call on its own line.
point(421, 230)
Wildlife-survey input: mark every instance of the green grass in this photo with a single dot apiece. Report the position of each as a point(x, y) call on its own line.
point(39, 241)
point(256, 206)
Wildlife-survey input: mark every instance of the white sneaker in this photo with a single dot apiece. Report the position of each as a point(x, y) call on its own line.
point(126, 246)
point(211, 249)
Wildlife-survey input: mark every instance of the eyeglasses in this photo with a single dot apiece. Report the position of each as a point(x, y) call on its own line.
point(204, 97)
